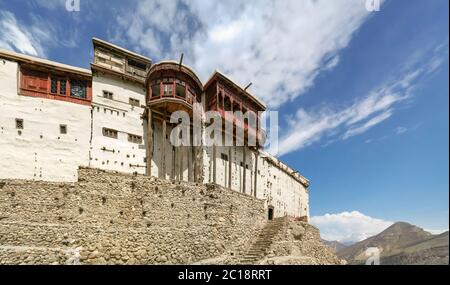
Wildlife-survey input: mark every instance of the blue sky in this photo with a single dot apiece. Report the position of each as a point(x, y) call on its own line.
point(363, 96)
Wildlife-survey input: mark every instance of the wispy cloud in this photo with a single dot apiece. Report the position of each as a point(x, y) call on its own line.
point(333, 124)
point(280, 46)
point(15, 36)
point(401, 130)
point(35, 37)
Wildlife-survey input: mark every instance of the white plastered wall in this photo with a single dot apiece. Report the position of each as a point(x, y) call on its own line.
point(40, 151)
point(117, 154)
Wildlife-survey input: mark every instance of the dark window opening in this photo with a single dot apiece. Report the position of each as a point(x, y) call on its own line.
point(227, 106)
point(110, 133)
point(63, 129)
point(134, 139)
point(224, 157)
point(108, 95)
point(19, 124)
point(137, 64)
point(135, 102)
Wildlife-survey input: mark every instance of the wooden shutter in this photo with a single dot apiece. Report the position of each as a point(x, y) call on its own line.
point(34, 80)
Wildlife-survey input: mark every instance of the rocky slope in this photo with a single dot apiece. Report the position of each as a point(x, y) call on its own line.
point(403, 244)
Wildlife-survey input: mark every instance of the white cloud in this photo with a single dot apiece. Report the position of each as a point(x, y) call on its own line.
point(349, 227)
point(280, 46)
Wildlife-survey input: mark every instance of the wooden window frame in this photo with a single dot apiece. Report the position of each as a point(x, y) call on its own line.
point(37, 83)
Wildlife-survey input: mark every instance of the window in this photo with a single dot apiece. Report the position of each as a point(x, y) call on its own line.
point(168, 89)
point(136, 64)
point(62, 87)
point(110, 133)
point(134, 139)
point(135, 102)
point(19, 124)
point(54, 86)
point(155, 91)
point(224, 157)
point(63, 129)
point(181, 91)
point(78, 89)
point(108, 95)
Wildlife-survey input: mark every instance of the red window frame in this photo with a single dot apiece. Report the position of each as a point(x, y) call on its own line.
point(36, 83)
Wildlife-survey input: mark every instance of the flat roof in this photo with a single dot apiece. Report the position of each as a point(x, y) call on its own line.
point(97, 41)
point(40, 61)
point(288, 170)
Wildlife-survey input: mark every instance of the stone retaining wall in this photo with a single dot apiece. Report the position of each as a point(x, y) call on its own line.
point(112, 218)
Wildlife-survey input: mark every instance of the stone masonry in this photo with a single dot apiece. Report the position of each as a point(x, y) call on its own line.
point(112, 218)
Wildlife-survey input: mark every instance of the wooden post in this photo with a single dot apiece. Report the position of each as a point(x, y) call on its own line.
point(163, 149)
point(149, 141)
point(244, 179)
point(190, 156)
point(229, 167)
point(214, 164)
point(256, 173)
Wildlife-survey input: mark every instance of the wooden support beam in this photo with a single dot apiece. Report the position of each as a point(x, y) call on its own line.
point(230, 162)
point(149, 141)
point(256, 174)
point(163, 150)
point(244, 179)
point(214, 165)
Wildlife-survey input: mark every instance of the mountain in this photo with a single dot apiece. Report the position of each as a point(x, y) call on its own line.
point(403, 244)
point(335, 245)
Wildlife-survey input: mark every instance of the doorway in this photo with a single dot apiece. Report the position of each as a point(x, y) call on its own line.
point(271, 212)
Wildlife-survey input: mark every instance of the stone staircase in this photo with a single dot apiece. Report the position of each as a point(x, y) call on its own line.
point(259, 249)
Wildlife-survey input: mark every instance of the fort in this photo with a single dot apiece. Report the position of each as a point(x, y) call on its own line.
point(56, 118)
point(89, 173)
